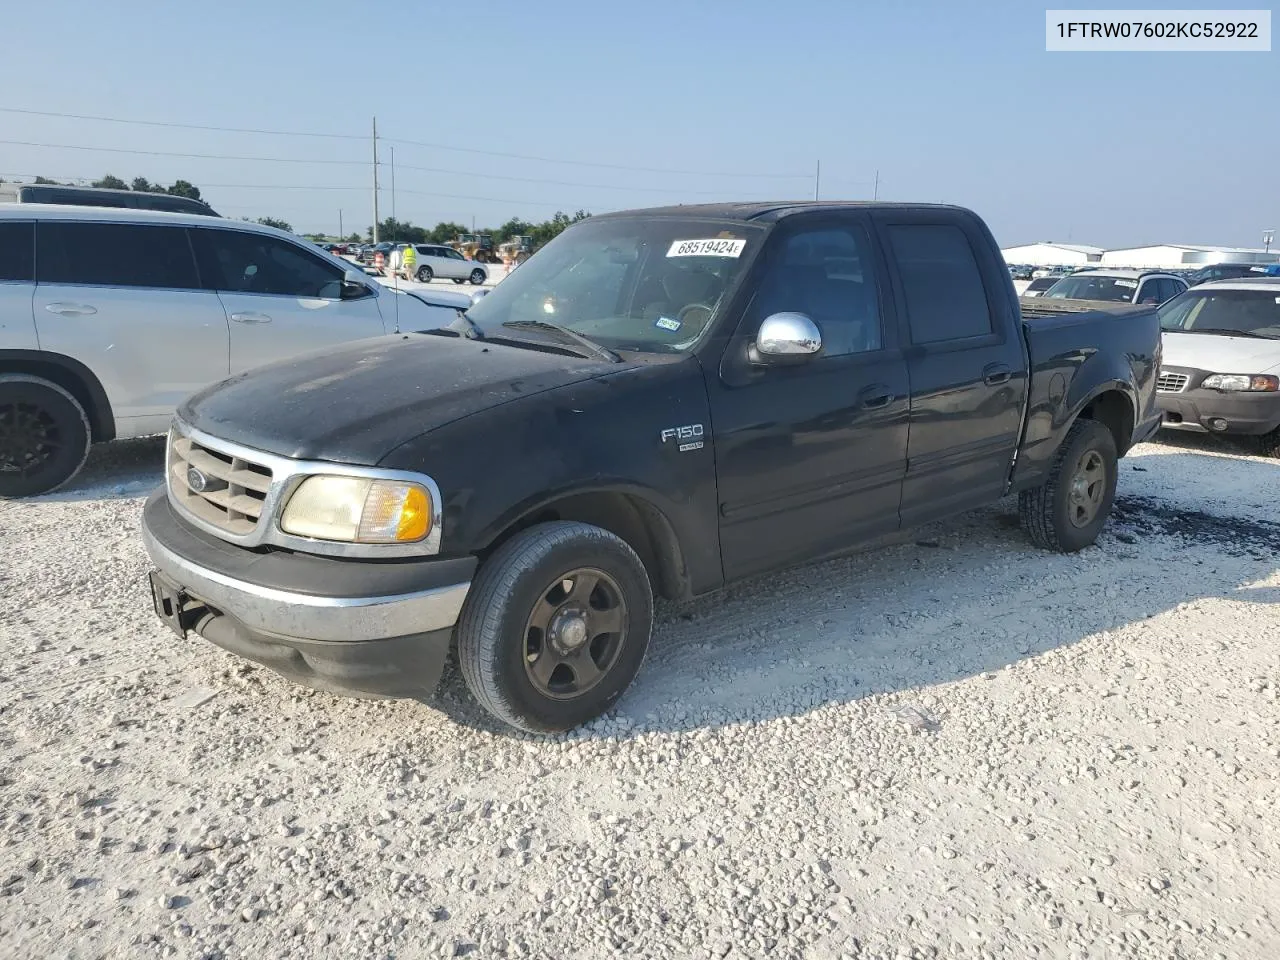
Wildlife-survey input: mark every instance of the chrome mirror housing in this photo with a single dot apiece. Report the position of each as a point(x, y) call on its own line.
point(786, 338)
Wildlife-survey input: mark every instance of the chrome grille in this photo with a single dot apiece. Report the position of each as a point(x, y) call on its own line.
point(224, 491)
point(1171, 382)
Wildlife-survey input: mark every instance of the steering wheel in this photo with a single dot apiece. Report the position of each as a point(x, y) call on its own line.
point(706, 308)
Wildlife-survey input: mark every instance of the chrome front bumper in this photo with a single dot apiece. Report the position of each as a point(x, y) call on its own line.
point(289, 614)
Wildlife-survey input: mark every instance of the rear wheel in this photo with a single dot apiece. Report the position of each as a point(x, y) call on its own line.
point(424, 274)
point(1269, 444)
point(1070, 510)
point(478, 276)
point(44, 435)
point(555, 626)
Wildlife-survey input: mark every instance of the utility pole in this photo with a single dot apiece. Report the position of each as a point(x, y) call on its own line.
point(375, 179)
point(393, 185)
point(876, 195)
point(341, 235)
point(817, 177)
point(1267, 237)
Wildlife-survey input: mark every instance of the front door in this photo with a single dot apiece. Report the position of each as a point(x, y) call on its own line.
point(810, 458)
point(281, 299)
point(967, 365)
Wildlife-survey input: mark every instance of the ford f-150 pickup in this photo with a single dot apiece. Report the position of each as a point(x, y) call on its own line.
point(660, 401)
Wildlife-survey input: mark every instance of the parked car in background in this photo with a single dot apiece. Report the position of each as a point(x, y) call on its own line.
point(1221, 367)
point(1227, 271)
point(1055, 272)
point(438, 260)
point(109, 318)
point(101, 197)
point(1038, 286)
point(1117, 286)
point(658, 401)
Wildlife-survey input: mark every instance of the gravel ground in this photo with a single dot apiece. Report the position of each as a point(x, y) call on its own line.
point(954, 746)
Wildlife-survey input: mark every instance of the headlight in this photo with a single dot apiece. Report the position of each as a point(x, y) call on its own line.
point(358, 510)
point(1241, 381)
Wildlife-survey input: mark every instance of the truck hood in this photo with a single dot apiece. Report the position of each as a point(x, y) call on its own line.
point(1219, 353)
point(356, 403)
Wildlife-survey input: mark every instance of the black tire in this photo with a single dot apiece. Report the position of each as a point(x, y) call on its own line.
point(478, 277)
point(1050, 514)
point(424, 274)
point(1269, 444)
point(495, 639)
point(44, 435)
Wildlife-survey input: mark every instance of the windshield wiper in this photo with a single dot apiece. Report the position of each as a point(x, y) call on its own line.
point(1230, 333)
point(586, 343)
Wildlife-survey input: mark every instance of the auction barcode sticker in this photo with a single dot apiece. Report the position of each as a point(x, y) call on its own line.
point(1189, 31)
point(707, 248)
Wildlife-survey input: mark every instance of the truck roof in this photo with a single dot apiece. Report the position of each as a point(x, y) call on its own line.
point(769, 212)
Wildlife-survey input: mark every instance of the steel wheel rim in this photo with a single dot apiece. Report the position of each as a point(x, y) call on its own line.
point(574, 633)
point(29, 438)
point(1087, 488)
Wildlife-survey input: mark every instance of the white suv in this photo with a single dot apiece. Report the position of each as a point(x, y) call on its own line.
point(110, 318)
point(435, 260)
point(1117, 286)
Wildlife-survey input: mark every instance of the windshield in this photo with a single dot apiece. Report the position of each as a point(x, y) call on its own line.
point(1118, 289)
point(653, 285)
point(1251, 312)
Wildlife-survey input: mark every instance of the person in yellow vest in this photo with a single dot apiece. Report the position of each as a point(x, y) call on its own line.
point(410, 262)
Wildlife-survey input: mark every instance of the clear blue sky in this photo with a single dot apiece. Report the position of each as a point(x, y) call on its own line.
point(950, 101)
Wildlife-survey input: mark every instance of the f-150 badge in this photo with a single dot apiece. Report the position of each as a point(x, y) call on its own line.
point(689, 437)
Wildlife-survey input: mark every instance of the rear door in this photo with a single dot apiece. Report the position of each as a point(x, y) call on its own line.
point(125, 300)
point(281, 298)
point(17, 285)
point(810, 458)
point(965, 359)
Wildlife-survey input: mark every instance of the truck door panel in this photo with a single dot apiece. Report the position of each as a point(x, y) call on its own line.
point(967, 366)
point(810, 458)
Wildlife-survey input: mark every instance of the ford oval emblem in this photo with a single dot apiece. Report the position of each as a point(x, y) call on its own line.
point(196, 480)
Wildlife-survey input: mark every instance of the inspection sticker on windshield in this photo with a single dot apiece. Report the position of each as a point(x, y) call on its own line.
point(667, 323)
point(707, 248)
point(1127, 283)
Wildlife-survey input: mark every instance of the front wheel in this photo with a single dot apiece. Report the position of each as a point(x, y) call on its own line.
point(478, 276)
point(424, 274)
point(555, 626)
point(1269, 444)
point(1069, 511)
point(44, 435)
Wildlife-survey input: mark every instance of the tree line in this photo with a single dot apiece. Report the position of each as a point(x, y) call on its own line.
point(396, 231)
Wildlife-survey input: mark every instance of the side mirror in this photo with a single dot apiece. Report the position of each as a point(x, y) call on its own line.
point(785, 338)
point(354, 285)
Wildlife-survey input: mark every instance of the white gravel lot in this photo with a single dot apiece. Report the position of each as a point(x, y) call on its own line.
point(953, 746)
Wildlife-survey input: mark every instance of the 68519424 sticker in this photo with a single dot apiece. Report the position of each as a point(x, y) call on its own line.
point(714, 247)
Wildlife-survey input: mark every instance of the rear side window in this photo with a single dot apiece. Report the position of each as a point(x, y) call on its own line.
point(941, 282)
point(115, 255)
point(17, 251)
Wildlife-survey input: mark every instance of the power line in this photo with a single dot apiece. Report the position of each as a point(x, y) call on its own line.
point(411, 143)
point(188, 156)
point(185, 126)
point(588, 163)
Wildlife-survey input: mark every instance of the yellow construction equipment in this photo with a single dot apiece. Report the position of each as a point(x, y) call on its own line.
point(517, 249)
point(478, 247)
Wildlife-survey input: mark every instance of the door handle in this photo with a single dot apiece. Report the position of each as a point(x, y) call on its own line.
point(994, 373)
point(875, 396)
point(71, 309)
point(250, 317)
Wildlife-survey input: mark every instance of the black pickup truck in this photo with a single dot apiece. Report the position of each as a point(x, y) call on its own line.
point(659, 401)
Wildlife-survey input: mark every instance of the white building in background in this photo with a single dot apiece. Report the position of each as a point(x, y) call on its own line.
point(1050, 254)
point(1173, 255)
